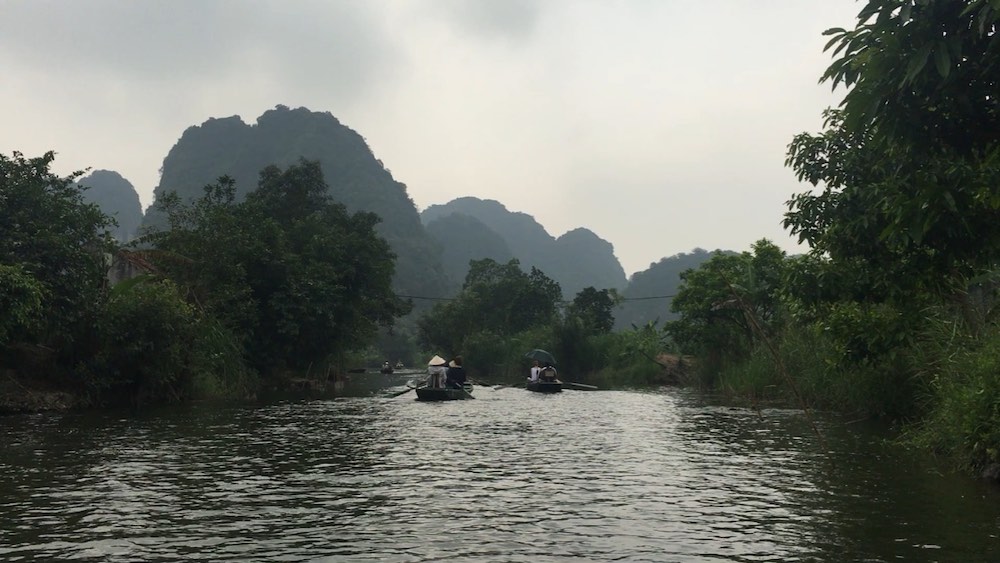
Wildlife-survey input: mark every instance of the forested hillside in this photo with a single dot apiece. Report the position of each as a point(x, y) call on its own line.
point(648, 292)
point(282, 137)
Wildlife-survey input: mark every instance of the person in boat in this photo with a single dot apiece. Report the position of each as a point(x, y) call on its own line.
point(436, 374)
point(386, 368)
point(536, 369)
point(548, 373)
point(455, 376)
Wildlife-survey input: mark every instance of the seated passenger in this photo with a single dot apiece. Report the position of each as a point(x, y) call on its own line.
point(436, 375)
point(548, 373)
point(456, 373)
point(535, 370)
point(436, 369)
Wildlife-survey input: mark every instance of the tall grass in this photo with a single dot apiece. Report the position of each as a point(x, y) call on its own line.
point(962, 373)
point(219, 369)
point(815, 364)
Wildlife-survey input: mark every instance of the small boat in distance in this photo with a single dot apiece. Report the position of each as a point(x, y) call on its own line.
point(547, 381)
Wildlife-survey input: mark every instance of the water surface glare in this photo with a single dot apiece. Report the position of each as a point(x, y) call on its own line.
point(510, 476)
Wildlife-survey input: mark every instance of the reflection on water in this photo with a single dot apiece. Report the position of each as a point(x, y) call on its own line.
point(511, 476)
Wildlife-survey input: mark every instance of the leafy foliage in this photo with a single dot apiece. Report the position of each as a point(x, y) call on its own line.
point(20, 302)
point(910, 163)
point(725, 300)
point(922, 73)
point(917, 220)
point(288, 269)
point(147, 351)
point(496, 298)
point(593, 308)
point(53, 247)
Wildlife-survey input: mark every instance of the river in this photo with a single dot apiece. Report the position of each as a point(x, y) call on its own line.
point(663, 475)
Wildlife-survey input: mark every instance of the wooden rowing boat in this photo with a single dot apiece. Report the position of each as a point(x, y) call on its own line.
point(444, 393)
point(540, 386)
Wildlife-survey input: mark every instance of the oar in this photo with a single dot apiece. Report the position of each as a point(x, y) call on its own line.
point(478, 383)
point(580, 386)
point(407, 390)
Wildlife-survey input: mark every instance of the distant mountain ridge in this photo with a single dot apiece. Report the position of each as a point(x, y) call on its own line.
point(282, 137)
point(649, 292)
point(433, 248)
point(576, 260)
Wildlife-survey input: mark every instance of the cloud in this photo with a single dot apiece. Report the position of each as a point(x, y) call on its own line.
point(336, 46)
point(659, 125)
point(490, 19)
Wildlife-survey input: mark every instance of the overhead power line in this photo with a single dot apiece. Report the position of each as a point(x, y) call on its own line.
point(454, 298)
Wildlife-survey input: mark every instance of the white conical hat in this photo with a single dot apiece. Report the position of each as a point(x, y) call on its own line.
point(437, 361)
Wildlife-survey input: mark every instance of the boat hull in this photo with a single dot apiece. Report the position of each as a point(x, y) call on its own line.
point(545, 386)
point(443, 393)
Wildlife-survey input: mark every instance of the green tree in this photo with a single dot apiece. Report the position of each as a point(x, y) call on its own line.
point(924, 72)
point(507, 300)
point(594, 309)
point(53, 246)
point(290, 270)
point(20, 302)
point(910, 163)
point(726, 300)
point(206, 250)
point(147, 353)
point(497, 298)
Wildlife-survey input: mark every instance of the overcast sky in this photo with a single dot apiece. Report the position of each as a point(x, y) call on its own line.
point(661, 125)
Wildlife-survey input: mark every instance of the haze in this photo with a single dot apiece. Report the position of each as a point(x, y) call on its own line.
point(659, 125)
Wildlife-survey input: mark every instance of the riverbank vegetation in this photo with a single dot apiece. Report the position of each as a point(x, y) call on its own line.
point(503, 311)
point(229, 296)
point(891, 313)
point(893, 310)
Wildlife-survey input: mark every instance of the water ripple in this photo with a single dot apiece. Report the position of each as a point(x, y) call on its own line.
point(511, 476)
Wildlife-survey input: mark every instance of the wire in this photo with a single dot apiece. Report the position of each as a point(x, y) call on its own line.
point(454, 298)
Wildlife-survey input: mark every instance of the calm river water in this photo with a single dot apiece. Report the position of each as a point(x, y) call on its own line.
point(510, 476)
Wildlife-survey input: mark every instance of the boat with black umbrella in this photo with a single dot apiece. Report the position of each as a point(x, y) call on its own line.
point(547, 382)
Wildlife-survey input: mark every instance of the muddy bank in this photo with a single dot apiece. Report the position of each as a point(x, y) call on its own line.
point(18, 398)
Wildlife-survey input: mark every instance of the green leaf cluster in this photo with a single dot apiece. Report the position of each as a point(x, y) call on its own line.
point(295, 276)
point(53, 254)
point(726, 302)
point(497, 298)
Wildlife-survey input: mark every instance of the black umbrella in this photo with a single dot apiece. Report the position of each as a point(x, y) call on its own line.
point(542, 356)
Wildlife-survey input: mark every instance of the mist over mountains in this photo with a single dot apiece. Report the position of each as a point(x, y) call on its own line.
point(117, 198)
point(576, 260)
point(433, 248)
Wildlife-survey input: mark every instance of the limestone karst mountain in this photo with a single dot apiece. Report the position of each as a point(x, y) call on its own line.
point(576, 260)
point(117, 198)
point(464, 238)
point(283, 136)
